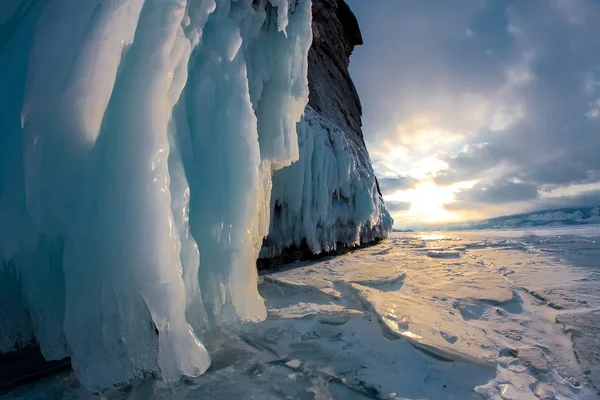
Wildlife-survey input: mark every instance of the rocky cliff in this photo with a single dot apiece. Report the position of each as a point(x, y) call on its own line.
point(332, 92)
point(333, 183)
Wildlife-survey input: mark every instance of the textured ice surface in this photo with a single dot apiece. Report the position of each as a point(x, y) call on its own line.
point(137, 143)
point(522, 303)
point(485, 325)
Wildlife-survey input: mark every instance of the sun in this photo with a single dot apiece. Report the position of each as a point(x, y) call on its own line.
point(427, 201)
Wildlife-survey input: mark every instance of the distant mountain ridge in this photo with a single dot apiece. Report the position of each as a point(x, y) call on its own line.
point(545, 218)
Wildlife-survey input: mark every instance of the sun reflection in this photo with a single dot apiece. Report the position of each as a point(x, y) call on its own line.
point(433, 237)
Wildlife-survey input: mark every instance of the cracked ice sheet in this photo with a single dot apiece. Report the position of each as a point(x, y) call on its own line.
point(470, 310)
point(482, 305)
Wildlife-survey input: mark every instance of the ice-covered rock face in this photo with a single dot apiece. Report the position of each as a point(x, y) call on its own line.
point(330, 197)
point(137, 140)
point(141, 142)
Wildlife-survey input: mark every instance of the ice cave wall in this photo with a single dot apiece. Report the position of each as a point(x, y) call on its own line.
point(144, 146)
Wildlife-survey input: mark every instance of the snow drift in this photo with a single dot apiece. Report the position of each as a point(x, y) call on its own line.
point(138, 143)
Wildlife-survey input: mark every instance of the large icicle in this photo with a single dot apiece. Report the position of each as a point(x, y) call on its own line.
point(225, 171)
point(138, 142)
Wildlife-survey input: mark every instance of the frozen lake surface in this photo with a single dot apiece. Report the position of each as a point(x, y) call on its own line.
point(451, 315)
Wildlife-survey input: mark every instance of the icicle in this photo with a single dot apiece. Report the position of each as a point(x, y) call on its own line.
point(133, 227)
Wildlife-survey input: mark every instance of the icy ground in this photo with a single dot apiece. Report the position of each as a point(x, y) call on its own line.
point(459, 315)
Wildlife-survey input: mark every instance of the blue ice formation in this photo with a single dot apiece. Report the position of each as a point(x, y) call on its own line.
point(139, 142)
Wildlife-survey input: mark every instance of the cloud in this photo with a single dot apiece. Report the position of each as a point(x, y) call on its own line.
point(477, 207)
point(418, 60)
point(395, 206)
point(473, 161)
point(551, 173)
point(500, 192)
point(390, 184)
point(594, 110)
point(505, 93)
point(554, 136)
point(589, 198)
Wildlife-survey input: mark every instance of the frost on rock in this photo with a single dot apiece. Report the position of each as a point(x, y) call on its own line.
point(137, 143)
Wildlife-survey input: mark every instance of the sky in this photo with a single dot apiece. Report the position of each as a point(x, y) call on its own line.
point(479, 108)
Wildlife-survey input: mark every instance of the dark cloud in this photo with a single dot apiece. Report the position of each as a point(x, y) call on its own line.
point(499, 192)
point(470, 202)
point(554, 143)
point(528, 158)
point(390, 185)
point(422, 55)
point(552, 173)
point(554, 158)
point(395, 206)
point(473, 162)
point(589, 198)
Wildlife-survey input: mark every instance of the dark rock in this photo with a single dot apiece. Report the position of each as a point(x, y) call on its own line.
point(303, 253)
point(26, 364)
point(332, 92)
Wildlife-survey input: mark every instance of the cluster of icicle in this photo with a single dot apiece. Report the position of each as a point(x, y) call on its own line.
point(138, 139)
point(329, 196)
